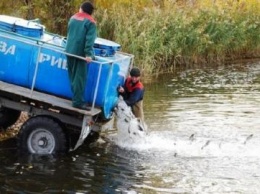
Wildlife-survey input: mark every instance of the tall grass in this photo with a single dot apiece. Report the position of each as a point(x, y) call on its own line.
point(166, 34)
point(162, 34)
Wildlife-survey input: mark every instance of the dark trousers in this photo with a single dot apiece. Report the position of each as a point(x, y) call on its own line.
point(77, 70)
point(138, 111)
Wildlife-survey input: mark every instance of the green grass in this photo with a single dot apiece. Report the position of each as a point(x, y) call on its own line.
point(162, 34)
point(177, 36)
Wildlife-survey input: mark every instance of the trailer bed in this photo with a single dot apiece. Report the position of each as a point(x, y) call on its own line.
point(54, 101)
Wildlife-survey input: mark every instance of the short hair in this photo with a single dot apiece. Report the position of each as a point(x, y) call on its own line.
point(135, 72)
point(87, 7)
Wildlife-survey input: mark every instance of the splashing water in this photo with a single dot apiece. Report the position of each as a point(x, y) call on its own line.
point(130, 130)
point(190, 147)
point(133, 135)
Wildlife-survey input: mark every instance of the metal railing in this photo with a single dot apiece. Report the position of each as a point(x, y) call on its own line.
point(45, 44)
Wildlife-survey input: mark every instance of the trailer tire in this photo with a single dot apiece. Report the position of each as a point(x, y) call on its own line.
point(8, 117)
point(42, 135)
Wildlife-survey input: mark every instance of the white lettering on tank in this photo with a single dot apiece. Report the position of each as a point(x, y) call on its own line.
point(4, 48)
point(64, 64)
point(43, 57)
point(57, 62)
point(53, 60)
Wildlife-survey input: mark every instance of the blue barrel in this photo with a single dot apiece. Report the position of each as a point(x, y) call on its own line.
point(39, 62)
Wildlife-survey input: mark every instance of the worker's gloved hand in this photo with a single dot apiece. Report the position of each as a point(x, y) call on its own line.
point(120, 89)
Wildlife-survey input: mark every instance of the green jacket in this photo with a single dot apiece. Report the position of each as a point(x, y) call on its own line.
point(81, 35)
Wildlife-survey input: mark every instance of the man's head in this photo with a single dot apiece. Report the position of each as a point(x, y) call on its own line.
point(135, 74)
point(87, 7)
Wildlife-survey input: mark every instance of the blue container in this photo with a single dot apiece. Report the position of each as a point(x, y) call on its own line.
point(21, 26)
point(40, 63)
point(105, 48)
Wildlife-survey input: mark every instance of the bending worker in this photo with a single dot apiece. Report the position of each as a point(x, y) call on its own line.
point(81, 36)
point(133, 93)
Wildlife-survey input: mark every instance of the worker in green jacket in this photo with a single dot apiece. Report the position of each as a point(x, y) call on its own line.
point(81, 36)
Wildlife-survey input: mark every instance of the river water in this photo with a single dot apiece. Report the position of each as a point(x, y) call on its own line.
point(204, 137)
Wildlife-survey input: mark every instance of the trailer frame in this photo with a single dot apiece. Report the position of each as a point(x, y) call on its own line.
point(38, 104)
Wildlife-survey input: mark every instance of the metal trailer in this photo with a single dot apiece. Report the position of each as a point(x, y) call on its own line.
point(26, 65)
point(52, 120)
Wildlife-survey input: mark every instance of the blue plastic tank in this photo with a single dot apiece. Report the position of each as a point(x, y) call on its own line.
point(38, 61)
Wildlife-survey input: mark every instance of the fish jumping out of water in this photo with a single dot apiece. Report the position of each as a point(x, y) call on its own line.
point(248, 138)
point(192, 138)
point(130, 129)
point(206, 144)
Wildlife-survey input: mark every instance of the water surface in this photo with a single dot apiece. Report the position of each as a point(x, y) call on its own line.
point(204, 137)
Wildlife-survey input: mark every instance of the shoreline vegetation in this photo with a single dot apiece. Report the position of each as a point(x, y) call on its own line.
point(163, 35)
point(179, 34)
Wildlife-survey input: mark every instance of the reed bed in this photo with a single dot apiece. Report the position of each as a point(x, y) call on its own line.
point(162, 34)
point(167, 34)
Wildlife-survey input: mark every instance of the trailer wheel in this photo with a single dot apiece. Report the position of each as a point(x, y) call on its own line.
point(8, 117)
point(42, 135)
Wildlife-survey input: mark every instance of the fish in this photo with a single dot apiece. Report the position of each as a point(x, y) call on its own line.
point(191, 138)
point(206, 144)
point(248, 138)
